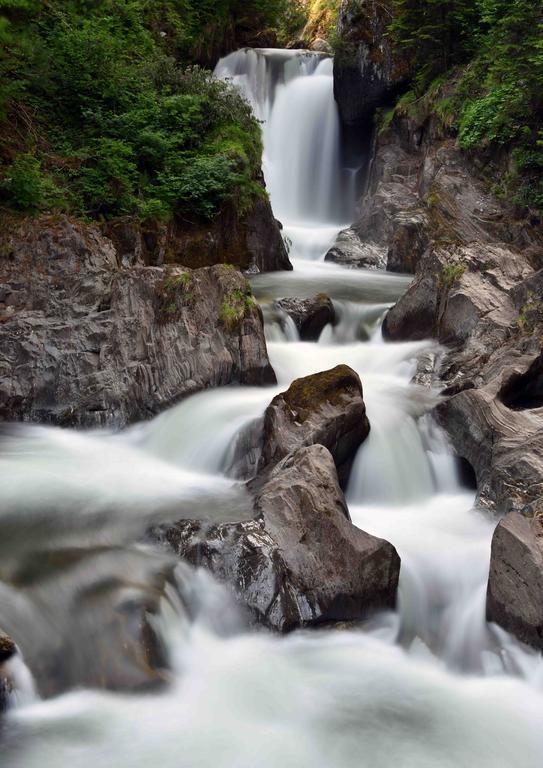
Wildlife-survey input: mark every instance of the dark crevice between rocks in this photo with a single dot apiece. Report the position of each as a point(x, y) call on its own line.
point(524, 391)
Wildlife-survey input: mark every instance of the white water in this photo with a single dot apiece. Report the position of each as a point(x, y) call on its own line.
point(429, 686)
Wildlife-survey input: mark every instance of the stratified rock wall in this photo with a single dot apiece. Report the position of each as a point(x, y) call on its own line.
point(85, 342)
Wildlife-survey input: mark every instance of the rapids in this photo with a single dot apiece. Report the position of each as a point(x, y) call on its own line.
point(428, 686)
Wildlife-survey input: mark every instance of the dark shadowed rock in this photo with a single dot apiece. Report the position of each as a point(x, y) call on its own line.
point(7, 650)
point(515, 585)
point(368, 72)
point(301, 561)
point(325, 408)
point(250, 242)
point(350, 251)
point(310, 316)
point(84, 342)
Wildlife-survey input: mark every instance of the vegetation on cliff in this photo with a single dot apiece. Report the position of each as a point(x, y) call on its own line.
point(478, 65)
point(102, 113)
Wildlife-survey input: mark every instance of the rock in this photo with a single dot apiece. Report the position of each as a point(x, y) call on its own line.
point(350, 250)
point(326, 409)
point(515, 585)
point(309, 315)
point(86, 343)
point(103, 633)
point(251, 242)
point(301, 561)
point(7, 650)
point(476, 290)
point(368, 71)
point(321, 46)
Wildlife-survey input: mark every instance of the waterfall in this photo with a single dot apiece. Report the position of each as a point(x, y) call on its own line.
point(430, 685)
point(311, 190)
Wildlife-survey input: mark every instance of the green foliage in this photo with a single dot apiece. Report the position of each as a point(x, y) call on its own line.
point(235, 307)
point(487, 58)
point(449, 275)
point(27, 187)
point(89, 91)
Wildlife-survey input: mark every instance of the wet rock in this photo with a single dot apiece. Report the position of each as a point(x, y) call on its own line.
point(7, 650)
point(368, 71)
point(102, 634)
point(327, 409)
point(7, 647)
point(87, 343)
point(350, 251)
point(301, 561)
point(310, 316)
point(515, 586)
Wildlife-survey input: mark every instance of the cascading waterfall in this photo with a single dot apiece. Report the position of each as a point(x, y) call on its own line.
point(428, 686)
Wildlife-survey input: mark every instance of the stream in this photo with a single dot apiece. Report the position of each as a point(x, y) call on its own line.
point(431, 685)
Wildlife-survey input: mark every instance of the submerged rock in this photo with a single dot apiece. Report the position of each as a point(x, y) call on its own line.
point(301, 561)
point(515, 585)
point(310, 316)
point(85, 342)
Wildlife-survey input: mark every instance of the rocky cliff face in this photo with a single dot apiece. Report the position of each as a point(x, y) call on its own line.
point(477, 289)
point(367, 71)
point(250, 242)
point(86, 342)
point(477, 266)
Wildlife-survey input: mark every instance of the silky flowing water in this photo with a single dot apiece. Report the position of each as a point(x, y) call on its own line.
point(429, 686)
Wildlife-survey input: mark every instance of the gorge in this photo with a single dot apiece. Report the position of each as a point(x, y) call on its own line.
point(247, 520)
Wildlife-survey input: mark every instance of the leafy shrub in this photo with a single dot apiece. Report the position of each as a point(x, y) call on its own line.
point(27, 187)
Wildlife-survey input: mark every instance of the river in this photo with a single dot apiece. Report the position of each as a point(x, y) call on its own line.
point(428, 686)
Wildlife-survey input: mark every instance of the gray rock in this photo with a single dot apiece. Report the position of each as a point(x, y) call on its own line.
point(310, 316)
point(515, 585)
point(350, 251)
point(87, 343)
point(301, 561)
point(327, 409)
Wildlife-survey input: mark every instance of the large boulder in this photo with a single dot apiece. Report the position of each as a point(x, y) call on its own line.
point(301, 561)
point(85, 342)
point(515, 585)
point(310, 316)
point(368, 70)
point(327, 409)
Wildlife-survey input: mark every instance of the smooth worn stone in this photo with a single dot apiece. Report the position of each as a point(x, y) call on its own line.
point(350, 251)
point(301, 561)
point(515, 585)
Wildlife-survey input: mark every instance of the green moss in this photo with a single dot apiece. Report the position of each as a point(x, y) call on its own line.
point(236, 305)
point(306, 395)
